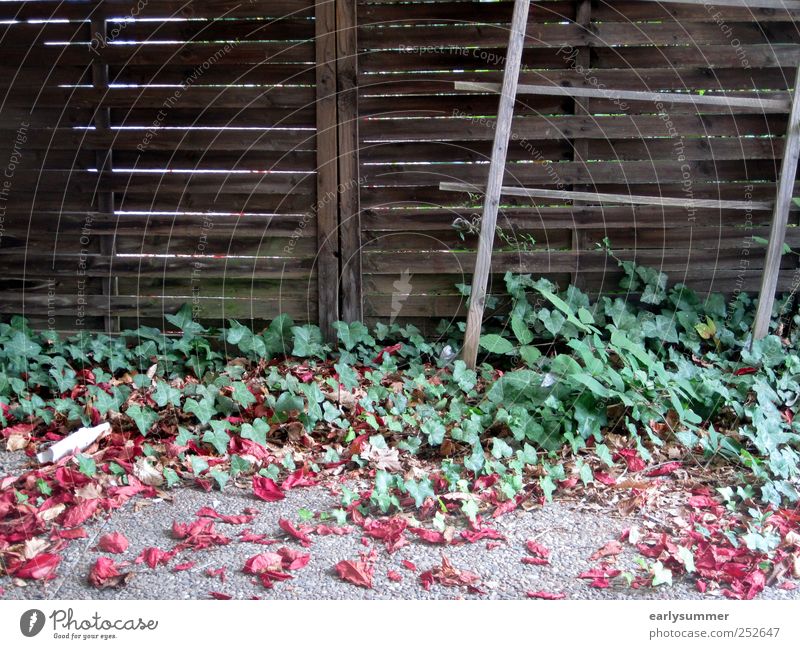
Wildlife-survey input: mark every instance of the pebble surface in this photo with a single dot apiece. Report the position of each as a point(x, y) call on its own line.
point(571, 531)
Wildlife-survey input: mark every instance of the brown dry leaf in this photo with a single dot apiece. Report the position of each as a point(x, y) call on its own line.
point(34, 547)
point(89, 491)
point(610, 549)
point(148, 473)
point(51, 513)
point(627, 506)
point(632, 484)
point(796, 565)
point(16, 443)
point(387, 459)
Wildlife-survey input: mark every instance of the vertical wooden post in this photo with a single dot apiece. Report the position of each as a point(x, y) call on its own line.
point(349, 203)
point(581, 147)
point(505, 115)
point(327, 205)
point(104, 164)
point(780, 218)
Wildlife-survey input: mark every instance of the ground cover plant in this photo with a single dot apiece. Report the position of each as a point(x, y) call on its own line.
point(572, 394)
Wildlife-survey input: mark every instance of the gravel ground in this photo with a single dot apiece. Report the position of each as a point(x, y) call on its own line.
point(571, 531)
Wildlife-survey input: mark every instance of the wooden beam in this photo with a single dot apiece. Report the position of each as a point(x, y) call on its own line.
point(623, 199)
point(505, 115)
point(104, 164)
point(766, 105)
point(327, 205)
point(780, 218)
point(580, 147)
point(349, 186)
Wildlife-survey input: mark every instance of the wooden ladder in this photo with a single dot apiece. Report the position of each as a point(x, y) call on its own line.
point(494, 188)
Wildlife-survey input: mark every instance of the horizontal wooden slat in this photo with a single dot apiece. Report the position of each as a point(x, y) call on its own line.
point(86, 9)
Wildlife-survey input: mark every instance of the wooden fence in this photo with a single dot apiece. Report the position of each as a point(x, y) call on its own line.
point(253, 157)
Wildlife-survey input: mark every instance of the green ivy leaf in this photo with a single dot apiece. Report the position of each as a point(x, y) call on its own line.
point(661, 575)
point(307, 341)
point(239, 465)
point(86, 465)
point(203, 410)
point(144, 418)
point(352, 334)
point(256, 432)
point(495, 344)
point(218, 436)
point(241, 394)
point(288, 402)
point(171, 477)
point(419, 491)
point(348, 377)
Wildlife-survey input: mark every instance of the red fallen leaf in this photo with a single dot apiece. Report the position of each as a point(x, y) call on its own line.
point(78, 514)
point(631, 458)
point(75, 533)
point(292, 559)
point(263, 562)
point(600, 573)
point(702, 501)
point(448, 575)
point(535, 561)
point(568, 483)
point(42, 566)
point(18, 429)
point(666, 469)
point(537, 550)
point(183, 566)
point(492, 545)
point(394, 576)
point(485, 482)
point(300, 534)
point(409, 565)
point(605, 478)
point(610, 549)
point(105, 574)
point(266, 489)
point(153, 557)
point(240, 519)
point(217, 595)
point(431, 536)
point(359, 573)
point(300, 478)
point(745, 370)
point(216, 572)
point(390, 350)
point(788, 585)
point(388, 530)
point(701, 586)
point(114, 542)
point(483, 533)
point(327, 530)
point(268, 578)
point(505, 508)
point(247, 536)
point(600, 582)
point(788, 416)
point(542, 594)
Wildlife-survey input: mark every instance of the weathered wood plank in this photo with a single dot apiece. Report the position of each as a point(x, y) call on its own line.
point(327, 170)
point(494, 186)
point(780, 219)
point(348, 138)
